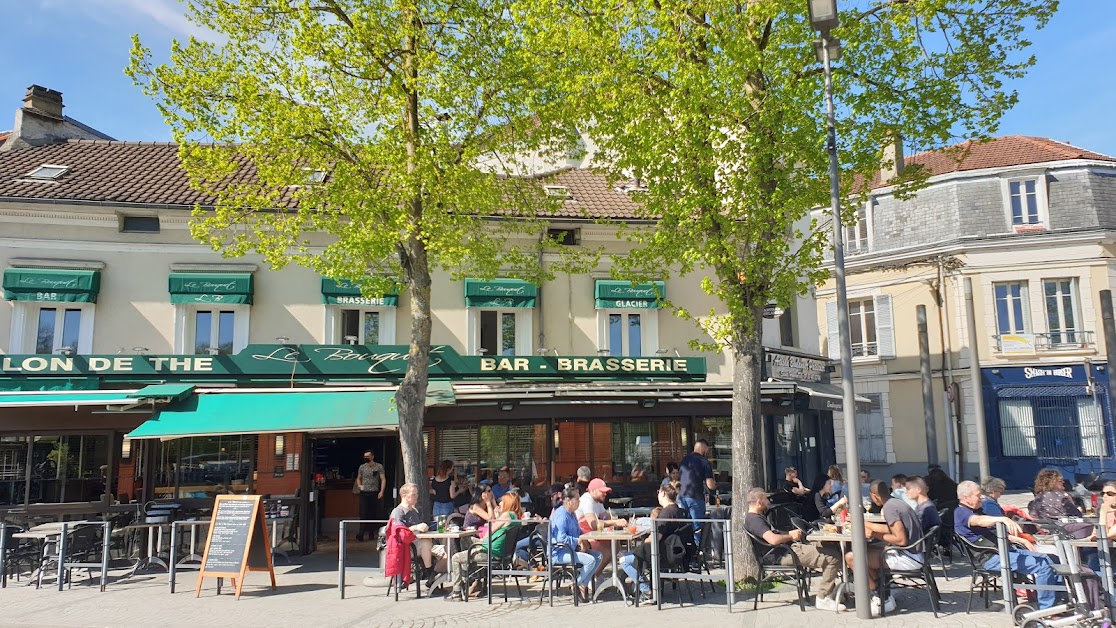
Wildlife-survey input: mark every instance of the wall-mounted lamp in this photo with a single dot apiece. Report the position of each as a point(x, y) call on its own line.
point(482, 351)
point(140, 350)
point(426, 441)
point(542, 351)
point(213, 351)
point(66, 351)
point(280, 445)
point(282, 339)
point(647, 403)
point(507, 406)
point(351, 340)
point(766, 399)
point(126, 449)
point(556, 445)
point(995, 371)
point(604, 352)
point(786, 401)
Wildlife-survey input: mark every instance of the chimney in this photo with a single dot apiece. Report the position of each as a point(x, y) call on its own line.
point(892, 158)
point(43, 101)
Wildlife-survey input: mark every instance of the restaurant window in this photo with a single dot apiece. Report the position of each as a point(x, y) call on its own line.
point(212, 331)
point(520, 447)
point(614, 449)
point(204, 466)
point(53, 469)
point(624, 333)
point(459, 445)
point(717, 431)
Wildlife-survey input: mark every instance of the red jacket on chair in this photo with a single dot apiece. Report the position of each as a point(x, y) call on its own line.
point(397, 559)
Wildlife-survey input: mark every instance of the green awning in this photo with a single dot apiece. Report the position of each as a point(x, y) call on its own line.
point(500, 293)
point(439, 393)
point(623, 294)
point(170, 392)
point(271, 412)
point(83, 398)
point(230, 288)
point(51, 284)
point(344, 292)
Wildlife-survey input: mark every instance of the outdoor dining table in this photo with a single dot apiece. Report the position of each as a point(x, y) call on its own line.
point(154, 533)
point(843, 538)
point(43, 533)
point(614, 536)
point(449, 538)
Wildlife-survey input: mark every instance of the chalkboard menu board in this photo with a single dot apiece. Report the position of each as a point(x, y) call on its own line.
point(237, 542)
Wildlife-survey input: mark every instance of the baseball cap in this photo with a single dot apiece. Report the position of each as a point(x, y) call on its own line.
point(597, 484)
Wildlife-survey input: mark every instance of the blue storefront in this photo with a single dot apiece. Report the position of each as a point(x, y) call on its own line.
point(1046, 415)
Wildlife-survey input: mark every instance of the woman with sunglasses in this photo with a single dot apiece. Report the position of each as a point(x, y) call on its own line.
point(482, 508)
point(1107, 516)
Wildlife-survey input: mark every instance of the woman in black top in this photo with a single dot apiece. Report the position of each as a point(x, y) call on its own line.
point(825, 510)
point(444, 488)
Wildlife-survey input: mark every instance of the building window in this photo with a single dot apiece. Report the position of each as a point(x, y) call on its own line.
point(856, 234)
point(499, 332)
point(870, 435)
point(1061, 311)
point(47, 468)
point(58, 330)
point(360, 327)
point(862, 328)
point(211, 331)
point(1026, 203)
point(786, 328)
point(139, 224)
point(1011, 307)
point(614, 449)
point(204, 466)
point(1051, 427)
point(623, 333)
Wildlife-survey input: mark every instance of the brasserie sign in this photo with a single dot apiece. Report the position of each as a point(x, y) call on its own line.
point(350, 362)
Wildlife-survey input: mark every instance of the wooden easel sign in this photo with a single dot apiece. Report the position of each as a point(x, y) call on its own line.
point(237, 542)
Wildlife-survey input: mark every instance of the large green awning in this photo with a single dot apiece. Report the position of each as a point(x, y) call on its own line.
point(500, 293)
point(230, 288)
point(622, 294)
point(344, 292)
point(74, 398)
point(52, 284)
point(271, 412)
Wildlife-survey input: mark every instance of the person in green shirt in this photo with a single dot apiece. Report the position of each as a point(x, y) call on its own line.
point(511, 513)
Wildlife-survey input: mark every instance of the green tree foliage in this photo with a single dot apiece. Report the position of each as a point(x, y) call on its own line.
point(718, 107)
point(396, 102)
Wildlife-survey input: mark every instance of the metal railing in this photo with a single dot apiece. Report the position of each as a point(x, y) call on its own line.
point(1044, 342)
point(657, 575)
point(63, 565)
point(341, 545)
point(173, 563)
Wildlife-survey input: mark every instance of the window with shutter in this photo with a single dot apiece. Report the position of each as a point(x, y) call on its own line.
point(870, 435)
point(831, 330)
point(885, 328)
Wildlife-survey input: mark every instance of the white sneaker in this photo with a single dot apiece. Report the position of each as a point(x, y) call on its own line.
point(888, 606)
point(823, 603)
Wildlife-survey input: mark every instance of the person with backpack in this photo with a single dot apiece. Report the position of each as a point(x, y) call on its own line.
point(671, 534)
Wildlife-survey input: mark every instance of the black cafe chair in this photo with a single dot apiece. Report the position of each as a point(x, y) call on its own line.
point(768, 557)
point(922, 576)
point(988, 580)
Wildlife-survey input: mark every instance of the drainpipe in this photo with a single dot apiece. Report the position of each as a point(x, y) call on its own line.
point(953, 421)
point(978, 388)
point(539, 298)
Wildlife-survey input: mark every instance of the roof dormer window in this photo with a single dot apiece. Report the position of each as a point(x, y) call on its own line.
point(47, 172)
point(558, 191)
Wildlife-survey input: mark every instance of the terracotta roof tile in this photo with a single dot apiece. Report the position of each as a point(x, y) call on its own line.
point(998, 152)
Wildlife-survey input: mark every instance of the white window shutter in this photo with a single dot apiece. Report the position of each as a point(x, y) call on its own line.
point(885, 328)
point(831, 330)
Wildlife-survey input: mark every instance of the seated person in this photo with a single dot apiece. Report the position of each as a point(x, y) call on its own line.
point(406, 513)
point(992, 488)
point(826, 558)
point(503, 483)
point(564, 530)
point(632, 561)
point(899, 489)
point(822, 499)
point(511, 513)
point(792, 484)
point(673, 474)
point(970, 522)
point(927, 512)
point(901, 527)
point(591, 516)
point(482, 507)
point(638, 474)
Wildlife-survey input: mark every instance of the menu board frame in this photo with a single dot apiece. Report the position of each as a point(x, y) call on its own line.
point(250, 538)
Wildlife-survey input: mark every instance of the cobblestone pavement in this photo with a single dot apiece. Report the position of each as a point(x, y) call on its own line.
point(308, 598)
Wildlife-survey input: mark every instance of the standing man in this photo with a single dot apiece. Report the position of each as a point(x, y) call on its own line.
point(369, 484)
point(901, 527)
point(695, 475)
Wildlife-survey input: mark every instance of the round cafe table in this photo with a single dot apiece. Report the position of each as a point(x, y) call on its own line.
point(614, 536)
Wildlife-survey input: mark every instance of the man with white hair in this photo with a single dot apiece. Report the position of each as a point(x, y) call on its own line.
point(970, 522)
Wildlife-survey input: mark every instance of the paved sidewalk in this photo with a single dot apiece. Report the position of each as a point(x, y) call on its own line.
point(308, 598)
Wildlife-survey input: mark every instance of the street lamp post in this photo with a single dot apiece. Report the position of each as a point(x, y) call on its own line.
point(823, 17)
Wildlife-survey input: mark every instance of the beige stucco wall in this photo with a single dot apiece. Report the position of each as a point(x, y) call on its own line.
point(133, 308)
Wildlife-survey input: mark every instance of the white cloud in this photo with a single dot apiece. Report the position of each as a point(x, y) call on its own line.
point(168, 15)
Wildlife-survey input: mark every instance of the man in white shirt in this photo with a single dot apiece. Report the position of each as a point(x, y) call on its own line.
point(591, 516)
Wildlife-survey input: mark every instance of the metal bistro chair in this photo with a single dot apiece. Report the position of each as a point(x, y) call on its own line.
point(18, 555)
point(83, 544)
point(913, 578)
point(943, 545)
point(559, 571)
point(770, 570)
point(987, 579)
point(478, 563)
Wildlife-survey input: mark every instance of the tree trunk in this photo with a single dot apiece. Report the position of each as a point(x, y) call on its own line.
point(747, 351)
point(410, 398)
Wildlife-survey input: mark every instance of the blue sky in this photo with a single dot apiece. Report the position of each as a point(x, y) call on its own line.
point(80, 48)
